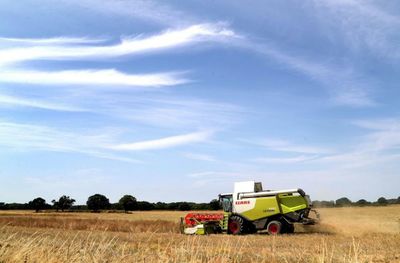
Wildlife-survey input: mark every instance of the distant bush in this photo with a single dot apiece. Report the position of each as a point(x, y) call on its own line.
point(382, 201)
point(362, 202)
point(344, 201)
point(323, 203)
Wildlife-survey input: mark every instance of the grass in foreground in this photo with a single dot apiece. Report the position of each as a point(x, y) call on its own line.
point(370, 234)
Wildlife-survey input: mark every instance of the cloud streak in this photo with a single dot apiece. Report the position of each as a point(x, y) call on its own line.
point(341, 82)
point(28, 137)
point(90, 77)
point(167, 142)
point(286, 146)
point(149, 11)
point(60, 41)
point(128, 46)
point(12, 101)
point(297, 159)
point(200, 157)
point(106, 145)
point(364, 25)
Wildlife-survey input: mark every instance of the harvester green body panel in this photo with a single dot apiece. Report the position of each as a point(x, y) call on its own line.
point(264, 207)
point(290, 203)
point(273, 205)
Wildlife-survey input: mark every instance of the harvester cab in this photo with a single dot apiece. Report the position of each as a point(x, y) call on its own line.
point(250, 208)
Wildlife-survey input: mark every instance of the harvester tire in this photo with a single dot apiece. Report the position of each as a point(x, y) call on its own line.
point(236, 225)
point(288, 228)
point(274, 227)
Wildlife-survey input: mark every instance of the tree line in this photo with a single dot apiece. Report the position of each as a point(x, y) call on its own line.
point(344, 201)
point(98, 202)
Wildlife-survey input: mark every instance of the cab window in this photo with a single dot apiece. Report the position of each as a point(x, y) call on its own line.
point(226, 202)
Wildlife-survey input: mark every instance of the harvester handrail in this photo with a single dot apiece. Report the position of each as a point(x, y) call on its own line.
point(269, 193)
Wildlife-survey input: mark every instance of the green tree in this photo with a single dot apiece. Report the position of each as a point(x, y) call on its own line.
point(215, 205)
point(97, 202)
point(362, 202)
point(37, 204)
point(64, 202)
point(161, 206)
point(344, 201)
point(184, 206)
point(382, 201)
point(145, 206)
point(128, 202)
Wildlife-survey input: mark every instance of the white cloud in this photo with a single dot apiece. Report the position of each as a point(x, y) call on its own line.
point(175, 112)
point(146, 10)
point(378, 124)
point(283, 160)
point(379, 146)
point(90, 77)
point(12, 101)
point(363, 25)
point(286, 146)
point(27, 137)
point(200, 157)
point(61, 41)
point(164, 40)
point(163, 143)
point(340, 81)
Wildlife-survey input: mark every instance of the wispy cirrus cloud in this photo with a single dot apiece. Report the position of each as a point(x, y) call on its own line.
point(163, 143)
point(29, 137)
point(342, 83)
point(363, 25)
point(128, 46)
point(61, 41)
point(281, 145)
point(381, 144)
point(149, 11)
point(286, 160)
point(91, 77)
point(175, 112)
point(200, 157)
point(13, 101)
point(384, 135)
point(105, 144)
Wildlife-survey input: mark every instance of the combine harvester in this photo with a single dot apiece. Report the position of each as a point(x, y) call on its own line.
point(250, 209)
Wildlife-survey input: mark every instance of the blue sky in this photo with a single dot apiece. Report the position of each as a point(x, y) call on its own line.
point(175, 100)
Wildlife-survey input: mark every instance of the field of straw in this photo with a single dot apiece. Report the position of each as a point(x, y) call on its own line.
point(365, 234)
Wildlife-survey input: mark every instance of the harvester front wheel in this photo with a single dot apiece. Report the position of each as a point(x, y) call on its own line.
point(274, 227)
point(236, 225)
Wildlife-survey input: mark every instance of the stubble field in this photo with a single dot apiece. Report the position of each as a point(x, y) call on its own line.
point(363, 234)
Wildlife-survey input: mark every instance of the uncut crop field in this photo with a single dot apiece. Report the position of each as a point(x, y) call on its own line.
point(368, 234)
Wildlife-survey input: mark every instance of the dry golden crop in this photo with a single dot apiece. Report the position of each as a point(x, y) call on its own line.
point(368, 234)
